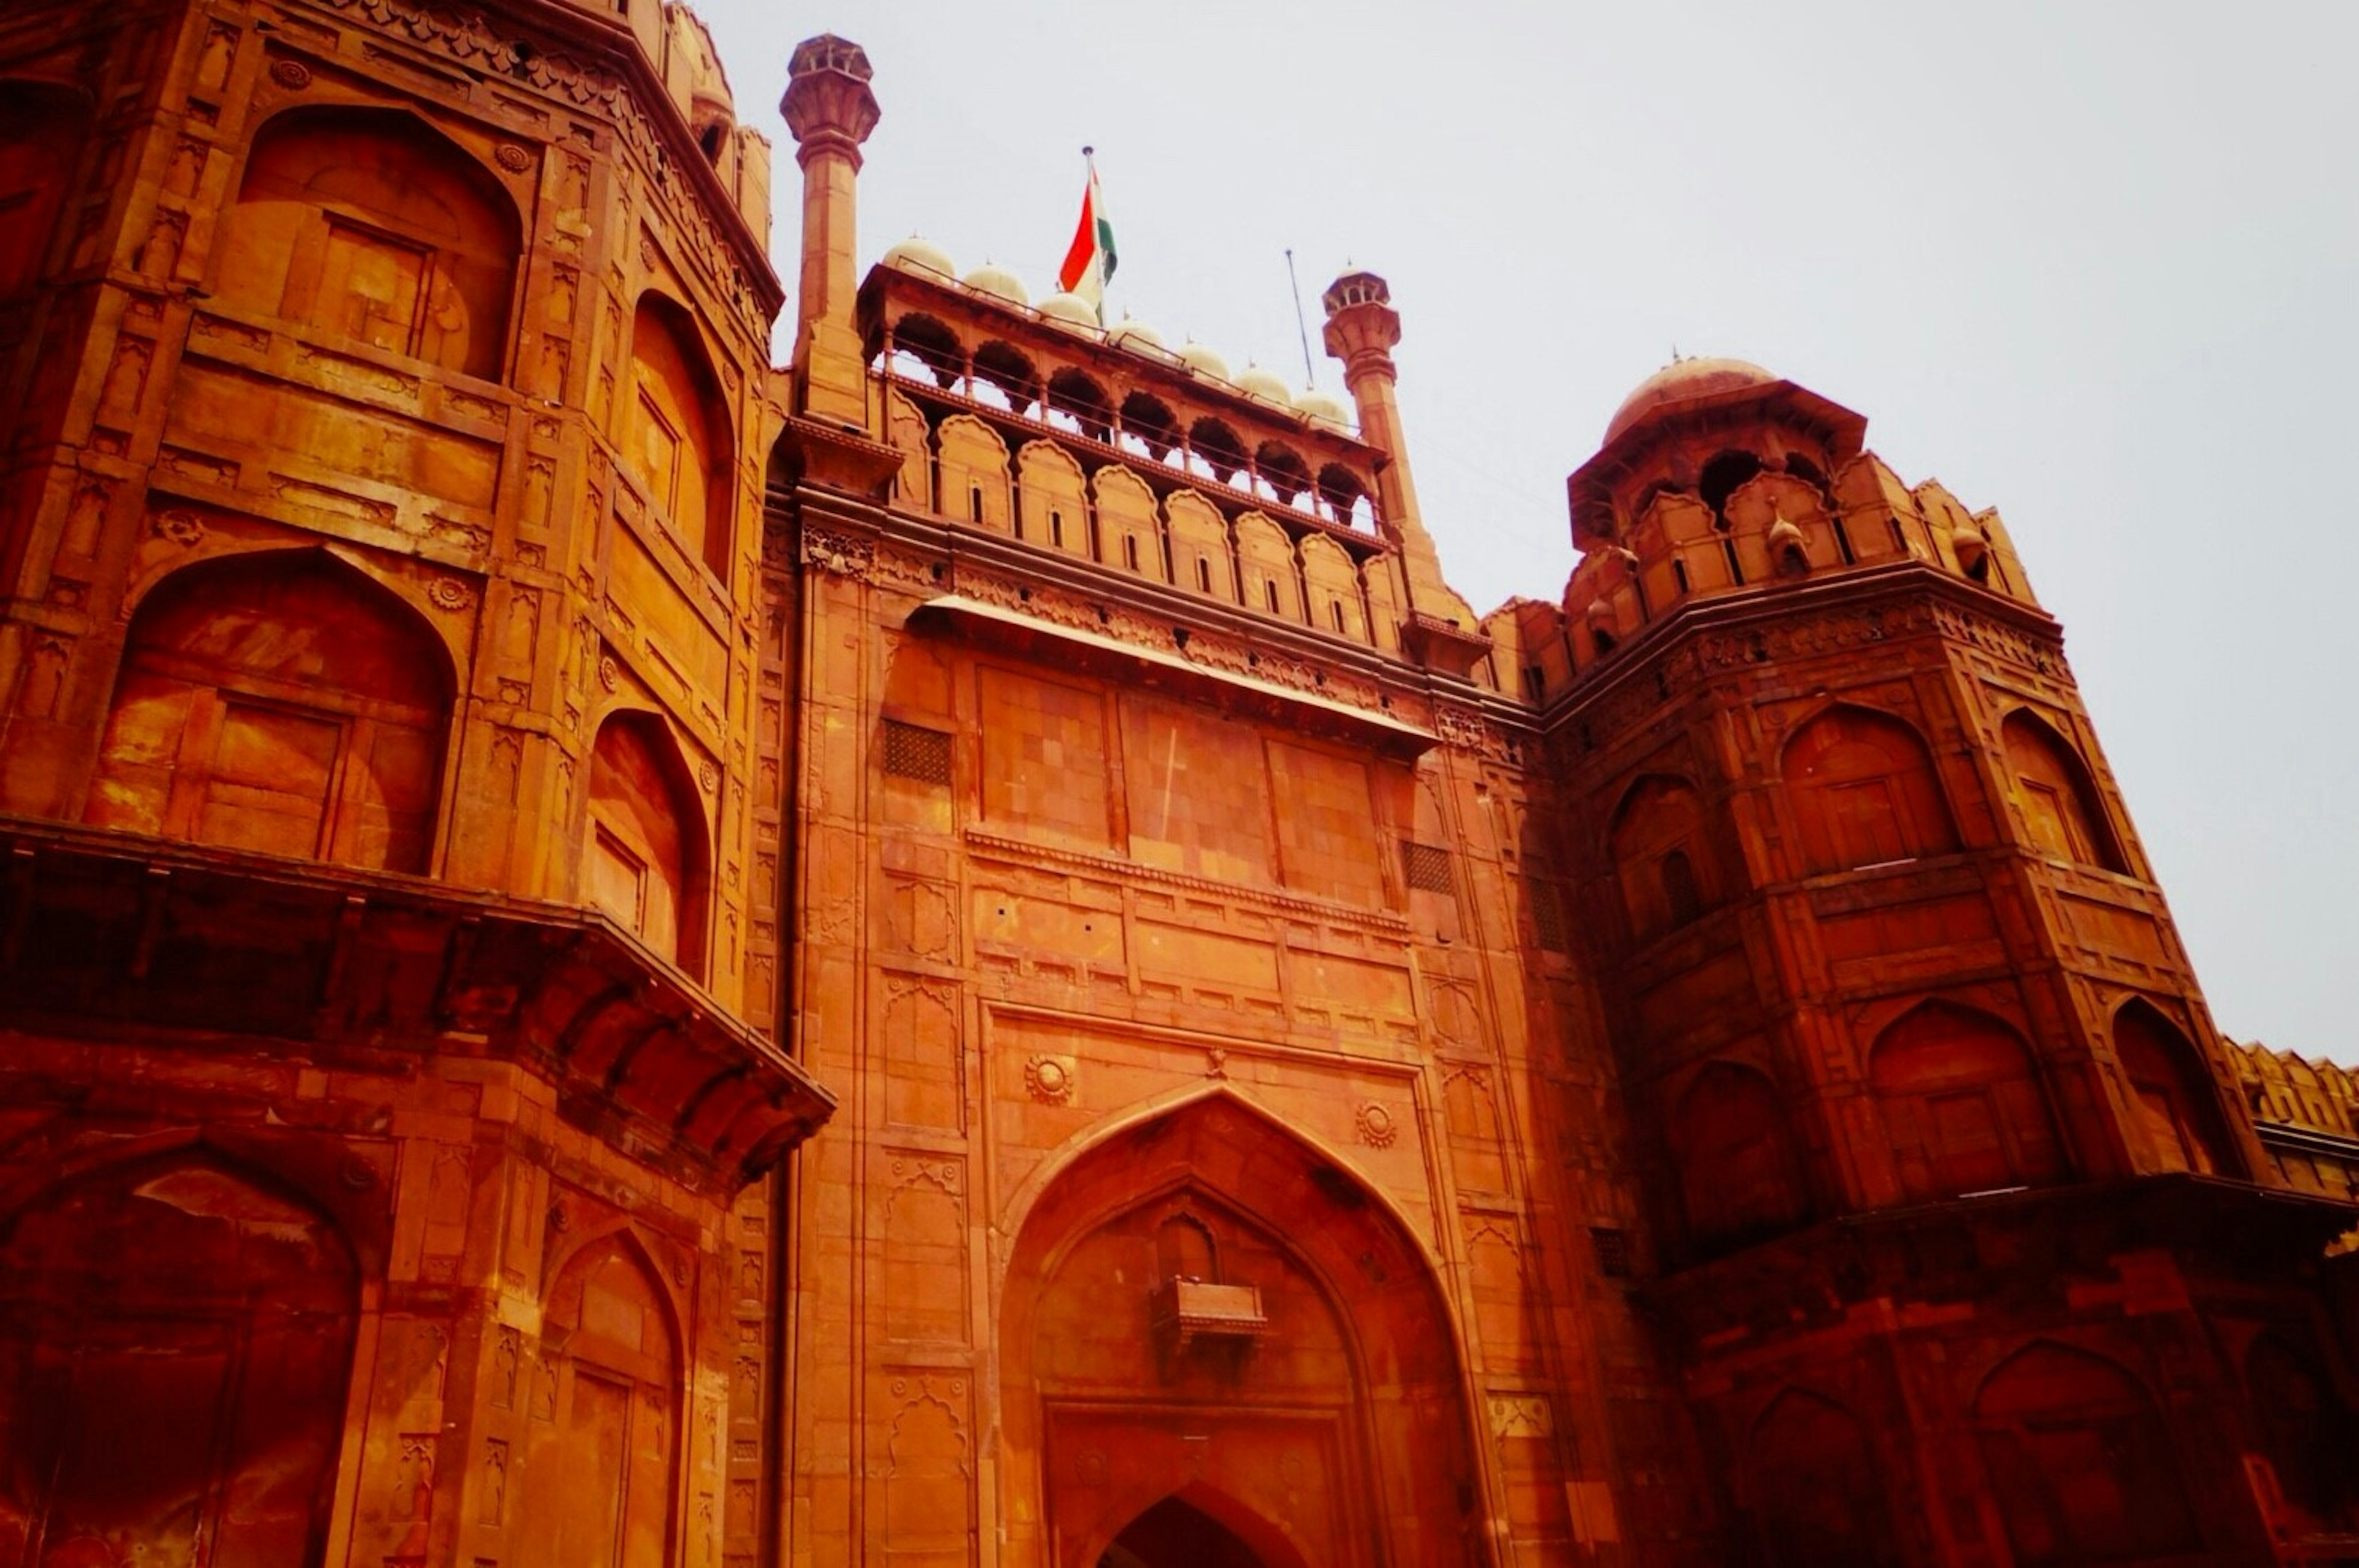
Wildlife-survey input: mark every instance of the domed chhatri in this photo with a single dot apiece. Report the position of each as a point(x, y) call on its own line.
point(1132, 333)
point(1203, 361)
point(1068, 310)
point(1267, 386)
point(919, 253)
point(1324, 407)
point(1684, 381)
point(998, 282)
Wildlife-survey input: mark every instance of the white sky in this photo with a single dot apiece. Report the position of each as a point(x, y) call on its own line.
point(2097, 265)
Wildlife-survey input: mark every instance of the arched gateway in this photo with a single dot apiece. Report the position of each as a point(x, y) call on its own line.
point(1218, 1346)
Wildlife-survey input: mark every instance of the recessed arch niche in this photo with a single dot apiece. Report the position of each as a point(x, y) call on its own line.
point(678, 443)
point(2171, 1093)
point(175, 1347)
point(2080, 1462)
point(1337, 1430)
point(1963, 1107)
point(282, 702)
point(1818, 1499)
point(1864, 792)
point(42, 129)
point(2061, 808)
point(644, 854)
point(369, 226)
point(602, 1416)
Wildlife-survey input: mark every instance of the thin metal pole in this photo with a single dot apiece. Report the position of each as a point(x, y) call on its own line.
point(1309, 376)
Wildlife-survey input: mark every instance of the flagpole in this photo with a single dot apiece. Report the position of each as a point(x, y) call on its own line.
point(1309, 376)
point(1090, 161)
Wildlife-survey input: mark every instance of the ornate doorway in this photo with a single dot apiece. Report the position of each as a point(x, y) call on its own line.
point(1221, 1347)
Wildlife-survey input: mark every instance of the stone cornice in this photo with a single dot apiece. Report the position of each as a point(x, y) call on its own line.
point(1782, 621)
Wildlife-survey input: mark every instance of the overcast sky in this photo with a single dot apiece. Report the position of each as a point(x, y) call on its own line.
point(2095, 264)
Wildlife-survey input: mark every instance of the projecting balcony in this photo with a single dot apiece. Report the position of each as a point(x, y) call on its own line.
point(219, 950)
point(1188, 1311)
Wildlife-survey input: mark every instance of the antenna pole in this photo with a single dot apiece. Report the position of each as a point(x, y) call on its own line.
point(1309, 376)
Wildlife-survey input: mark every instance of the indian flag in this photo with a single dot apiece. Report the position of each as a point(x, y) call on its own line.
point(1090, 262)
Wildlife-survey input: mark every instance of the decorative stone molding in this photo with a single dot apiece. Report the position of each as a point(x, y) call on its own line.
point(841, 555)
point(291, 74)
point(515, 159)
point(185, 529)
point(1376, 1127)
point(449, 594)
point(1050, 1079)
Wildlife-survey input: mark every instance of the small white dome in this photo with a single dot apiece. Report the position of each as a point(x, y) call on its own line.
point(1132, 333)
point(994, 279)
point(1325, 406)
point(1203, 361)
point(1267, 384)
point(919, 253)
point(1070, 309)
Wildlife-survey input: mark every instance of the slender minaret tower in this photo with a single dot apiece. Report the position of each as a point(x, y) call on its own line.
point(830, 110)
point(1362, 327)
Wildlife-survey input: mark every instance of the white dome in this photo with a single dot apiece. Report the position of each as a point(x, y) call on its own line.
point(919, 253)
point(1070, 309)
point(994, 279)
point(1132, 333)
point(1325, 406)
point(1267, 384)
point(1203, 361)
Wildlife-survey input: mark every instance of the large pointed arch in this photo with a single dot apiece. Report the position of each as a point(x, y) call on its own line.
point(1335, 1307)
point(1200, 1526)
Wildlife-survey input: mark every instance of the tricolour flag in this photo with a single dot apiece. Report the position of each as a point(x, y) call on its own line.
point(1090, 261)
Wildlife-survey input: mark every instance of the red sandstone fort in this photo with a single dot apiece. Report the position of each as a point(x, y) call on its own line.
point(958, 953)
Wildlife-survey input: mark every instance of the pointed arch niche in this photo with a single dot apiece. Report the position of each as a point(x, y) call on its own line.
point(677, 440)
point(368, 226)
point(1864, 792)
point(2061, 806)
point(645, 858)
point(1341, 1433)
point(1962, 1105)
point(2171, 1093)
point(42, 129)
point(1738, 1178)
point(602, 1416)
point(1660, 856)
point(280, 702)
point(1818, 1496)
point(2081, 1462)
point(175, 1347)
